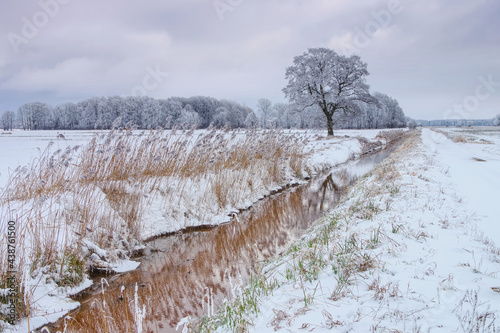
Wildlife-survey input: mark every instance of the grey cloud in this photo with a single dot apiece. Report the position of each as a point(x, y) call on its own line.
point(429, 56)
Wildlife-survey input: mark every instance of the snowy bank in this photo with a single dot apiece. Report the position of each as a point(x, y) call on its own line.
point(404, 252)
point(66, 226)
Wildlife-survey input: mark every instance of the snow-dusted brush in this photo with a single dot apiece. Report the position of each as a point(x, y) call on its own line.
point(83, 209)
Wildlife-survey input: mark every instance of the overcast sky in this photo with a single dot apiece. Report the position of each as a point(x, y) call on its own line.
point(438, 58)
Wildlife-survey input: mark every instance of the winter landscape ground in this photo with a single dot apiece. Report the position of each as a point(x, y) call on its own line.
point(411, 248)
point(81, 200)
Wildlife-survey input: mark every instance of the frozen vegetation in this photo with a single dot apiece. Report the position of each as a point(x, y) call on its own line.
point(92, 206)
point(412, 248)
point(200, 111)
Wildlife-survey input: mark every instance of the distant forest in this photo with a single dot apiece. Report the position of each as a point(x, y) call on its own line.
point(458, 122)
point(199, 111)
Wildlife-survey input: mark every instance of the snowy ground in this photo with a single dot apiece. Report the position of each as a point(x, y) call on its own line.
point(475, 169)
point(19, 148)
point(413, 248)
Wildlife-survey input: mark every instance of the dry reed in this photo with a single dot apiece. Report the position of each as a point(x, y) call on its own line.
point(81, 207)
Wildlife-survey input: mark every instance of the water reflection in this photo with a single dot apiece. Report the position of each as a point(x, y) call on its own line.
point(182, 273)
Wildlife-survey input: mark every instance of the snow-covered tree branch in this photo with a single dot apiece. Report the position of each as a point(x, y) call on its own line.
point(334, 83)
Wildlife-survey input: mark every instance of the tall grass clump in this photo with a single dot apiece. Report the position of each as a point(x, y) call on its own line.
point(82, 208)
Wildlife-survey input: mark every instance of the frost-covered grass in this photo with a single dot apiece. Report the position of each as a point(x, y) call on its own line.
point(330, 246)
point(92, 206)
point(480, 135)
point(404, 252)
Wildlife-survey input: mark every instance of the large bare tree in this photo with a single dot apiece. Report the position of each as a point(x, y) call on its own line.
point(334, 83)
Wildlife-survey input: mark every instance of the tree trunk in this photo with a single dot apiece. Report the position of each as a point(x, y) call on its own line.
point(329, 118)
point(329, 124)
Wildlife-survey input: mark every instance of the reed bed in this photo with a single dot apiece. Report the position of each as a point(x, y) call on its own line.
point(84, 208)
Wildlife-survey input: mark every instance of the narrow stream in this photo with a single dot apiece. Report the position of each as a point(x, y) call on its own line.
point(179, 271)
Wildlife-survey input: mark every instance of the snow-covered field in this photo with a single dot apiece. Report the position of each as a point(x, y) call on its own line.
point(414, 247)
point(47, 225)
point(18, 148)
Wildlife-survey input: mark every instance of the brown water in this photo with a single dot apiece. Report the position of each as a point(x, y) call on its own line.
point(181, 273)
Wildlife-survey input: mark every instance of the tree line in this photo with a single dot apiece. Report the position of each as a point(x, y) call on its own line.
point(324, 89)
point(385, 112)
point(199, 111)
point(459, 122)
point(143, 112)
